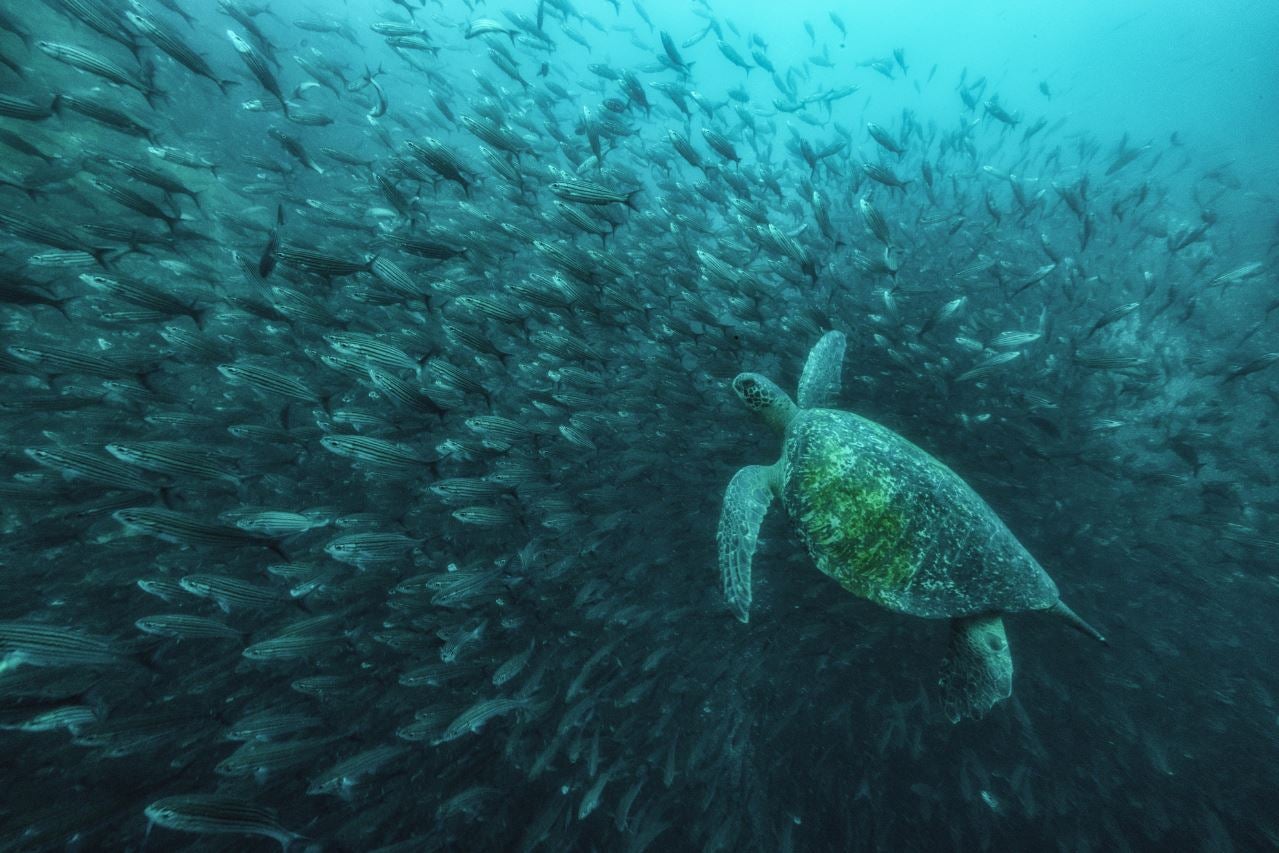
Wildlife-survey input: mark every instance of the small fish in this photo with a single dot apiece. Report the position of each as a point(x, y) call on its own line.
point(1112, 316)
point(218, 814)
point(988, 365)
point(1259, 363)
point(474, 718)
point(182, 626)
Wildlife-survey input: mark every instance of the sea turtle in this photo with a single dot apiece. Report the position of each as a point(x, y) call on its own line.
point(890, 524)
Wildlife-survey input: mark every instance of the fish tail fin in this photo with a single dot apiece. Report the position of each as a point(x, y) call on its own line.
point(200, 316)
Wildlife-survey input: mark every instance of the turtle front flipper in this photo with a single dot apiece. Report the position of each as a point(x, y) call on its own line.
point(745, 504)
point(819, 383)
point(977, 672)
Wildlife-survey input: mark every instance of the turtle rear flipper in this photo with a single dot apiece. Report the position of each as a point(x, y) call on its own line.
point(745, 505)
point(977, 672)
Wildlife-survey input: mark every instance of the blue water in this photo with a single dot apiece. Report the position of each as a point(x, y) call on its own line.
point(460, 517)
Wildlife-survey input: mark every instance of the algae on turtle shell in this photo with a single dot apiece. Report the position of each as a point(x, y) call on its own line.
point(890, 524)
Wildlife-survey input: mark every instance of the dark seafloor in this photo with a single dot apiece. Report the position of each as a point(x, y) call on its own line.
point(360, 486)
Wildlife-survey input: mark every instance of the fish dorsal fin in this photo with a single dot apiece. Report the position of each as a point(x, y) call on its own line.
point(819, 385)
point(745, 504)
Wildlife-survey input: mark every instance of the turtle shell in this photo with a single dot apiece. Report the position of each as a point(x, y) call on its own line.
point(893, 525)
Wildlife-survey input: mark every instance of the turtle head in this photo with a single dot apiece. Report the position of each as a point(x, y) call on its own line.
point(762, 396)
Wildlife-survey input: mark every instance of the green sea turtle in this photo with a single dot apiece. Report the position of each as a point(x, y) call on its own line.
point(890, 524)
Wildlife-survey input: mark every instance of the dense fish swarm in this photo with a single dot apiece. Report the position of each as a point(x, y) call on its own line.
point(365, 410)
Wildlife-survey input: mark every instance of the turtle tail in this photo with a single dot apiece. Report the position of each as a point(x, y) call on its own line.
point(1062, 611)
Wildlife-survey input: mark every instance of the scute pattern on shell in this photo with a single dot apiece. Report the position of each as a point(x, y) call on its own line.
point(893, 525)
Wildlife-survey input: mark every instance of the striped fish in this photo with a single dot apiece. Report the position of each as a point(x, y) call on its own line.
point(576, 437)
point(177, 49)
point(268, 380)
point(500, 137)
point(393, 276)
point(70, 717)
point(183, 626)
point(371, 349)
point(104, 114)
point(373, 451)
point(180, 528)
point(257, 65)
point(218, 814)
point(341, 777)
point(269, 725)
point(289, 647)
point(1105, 361)
point(460, 589)
point(987, 365)
point(720, 144)
point(472, 339)
point(174, 458)
point(22, 109)
point(513, 665)
point(460, 489)
point(323, 686)
point(90, 466)
point(572, 261)
point(230, 593)
point(36, 644)
point(273, 523)
point(46, 234)
point(431, 249)
point(453, 376)
point(505, 169)
point(310, 260)
point(404, 394)
point(564, 345)
point(62, 360)
point(488, 307)
point(499, 427)
point(435, 674)
point(61, 259)
point(485, 516)
point(361, 549)
point(1014, 339)
point(84, 60)
point(162, 588)
point(473, 718)
point(185, 159)
point(263, 758)
point(440, 160)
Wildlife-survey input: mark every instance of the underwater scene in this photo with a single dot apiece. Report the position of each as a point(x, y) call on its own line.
point(638, 425)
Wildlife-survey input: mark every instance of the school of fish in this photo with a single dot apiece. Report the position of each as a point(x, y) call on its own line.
point(365, 409)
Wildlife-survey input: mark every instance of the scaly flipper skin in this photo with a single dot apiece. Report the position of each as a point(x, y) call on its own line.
point(977, 672)
point(819, 384)
point(745, 504)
